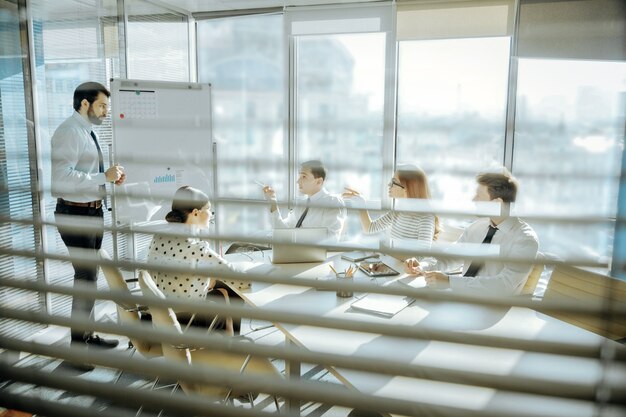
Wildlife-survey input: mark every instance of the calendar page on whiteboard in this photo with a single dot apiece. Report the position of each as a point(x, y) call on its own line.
point(162, 137)
point(138, 104)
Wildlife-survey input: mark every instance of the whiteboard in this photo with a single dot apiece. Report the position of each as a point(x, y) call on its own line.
point(162, 137)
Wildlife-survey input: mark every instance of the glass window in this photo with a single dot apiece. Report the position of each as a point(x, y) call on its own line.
point(158, 47)
point(569, 136)
point(242, 58)
point(16, 201)
point(69, 50)
point(340, 93)
point(452, 110)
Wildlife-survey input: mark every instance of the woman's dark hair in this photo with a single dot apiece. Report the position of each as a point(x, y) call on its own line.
point(185, 201)
point(88, 91)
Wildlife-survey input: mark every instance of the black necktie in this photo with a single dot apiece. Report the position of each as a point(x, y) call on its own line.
point(100, 163)
point(306, 210)
point(476, 265)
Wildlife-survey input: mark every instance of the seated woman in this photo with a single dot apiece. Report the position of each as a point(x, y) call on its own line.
point(408, 181)
point(191, 212)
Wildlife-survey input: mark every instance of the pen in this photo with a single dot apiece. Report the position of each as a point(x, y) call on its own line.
point(334, 270)
point(259, 183)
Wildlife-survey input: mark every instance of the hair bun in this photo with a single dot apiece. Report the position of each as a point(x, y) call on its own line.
point(175, 216)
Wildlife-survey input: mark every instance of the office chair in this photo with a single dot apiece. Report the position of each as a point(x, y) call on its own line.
point(165, 318)
point(568, 283)
point(127, 313)
point(533, 276)
point(242, 247)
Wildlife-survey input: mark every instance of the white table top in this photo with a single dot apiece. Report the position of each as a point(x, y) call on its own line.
point(515, 322)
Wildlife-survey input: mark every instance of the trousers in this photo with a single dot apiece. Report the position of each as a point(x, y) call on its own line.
point(81, 242)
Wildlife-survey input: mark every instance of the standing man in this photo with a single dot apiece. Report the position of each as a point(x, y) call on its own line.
point(515, 237)
point(321, 210)
point(78, 182)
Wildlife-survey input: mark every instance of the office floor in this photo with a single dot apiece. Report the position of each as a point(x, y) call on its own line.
point(105, 311)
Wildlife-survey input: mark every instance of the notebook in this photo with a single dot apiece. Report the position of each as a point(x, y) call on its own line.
point(382, 304)
point(288, 245)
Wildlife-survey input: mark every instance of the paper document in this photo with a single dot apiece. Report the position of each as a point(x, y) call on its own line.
point(412, 281)
point(382, 304)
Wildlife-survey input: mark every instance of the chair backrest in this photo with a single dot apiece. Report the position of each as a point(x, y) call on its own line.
point(165, 318)
point(532, 280)
point(116, 282)
point(534, 276)
point(590, 289)
point(126, 312)
point(162, 318)
point(245, 247)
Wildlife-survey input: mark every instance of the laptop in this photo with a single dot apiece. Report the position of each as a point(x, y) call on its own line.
point(288, 248)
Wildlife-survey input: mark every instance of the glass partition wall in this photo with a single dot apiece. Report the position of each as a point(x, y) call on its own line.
point(450, 94)
point(77, 42)
point(18, 204)
point(243, 60)
point(456, 87)
point(344, 85)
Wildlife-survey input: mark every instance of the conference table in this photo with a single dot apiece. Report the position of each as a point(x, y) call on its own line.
point(462, 318)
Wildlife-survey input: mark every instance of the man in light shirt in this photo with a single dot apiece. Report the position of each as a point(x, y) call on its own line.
point(321, 209)
point(516, 239)
point(78, 182)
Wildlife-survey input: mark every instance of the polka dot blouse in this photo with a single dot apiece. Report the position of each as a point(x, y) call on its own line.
point(186, 252)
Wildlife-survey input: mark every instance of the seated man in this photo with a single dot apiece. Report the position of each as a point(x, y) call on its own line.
point(322, 209)
point(515, 237)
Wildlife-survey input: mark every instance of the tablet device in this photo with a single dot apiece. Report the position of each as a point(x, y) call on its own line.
point(377, 269)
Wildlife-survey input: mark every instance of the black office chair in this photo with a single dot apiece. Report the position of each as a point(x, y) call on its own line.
point(243, 247)
point(364, 413)
point(236, 247)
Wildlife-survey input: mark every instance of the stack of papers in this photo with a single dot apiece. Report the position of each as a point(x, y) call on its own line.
point(382, 304)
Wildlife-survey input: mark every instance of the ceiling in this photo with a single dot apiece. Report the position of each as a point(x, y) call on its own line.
point(71, 9)
point(195, 6)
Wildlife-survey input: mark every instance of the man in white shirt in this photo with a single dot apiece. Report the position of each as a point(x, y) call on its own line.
point(78, 182)
point(516, 239)
point(321, 209)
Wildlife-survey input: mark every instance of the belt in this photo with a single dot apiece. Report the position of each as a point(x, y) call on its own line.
point(93, 204)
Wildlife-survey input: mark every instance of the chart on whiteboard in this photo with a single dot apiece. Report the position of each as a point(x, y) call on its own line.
point(138, 104)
